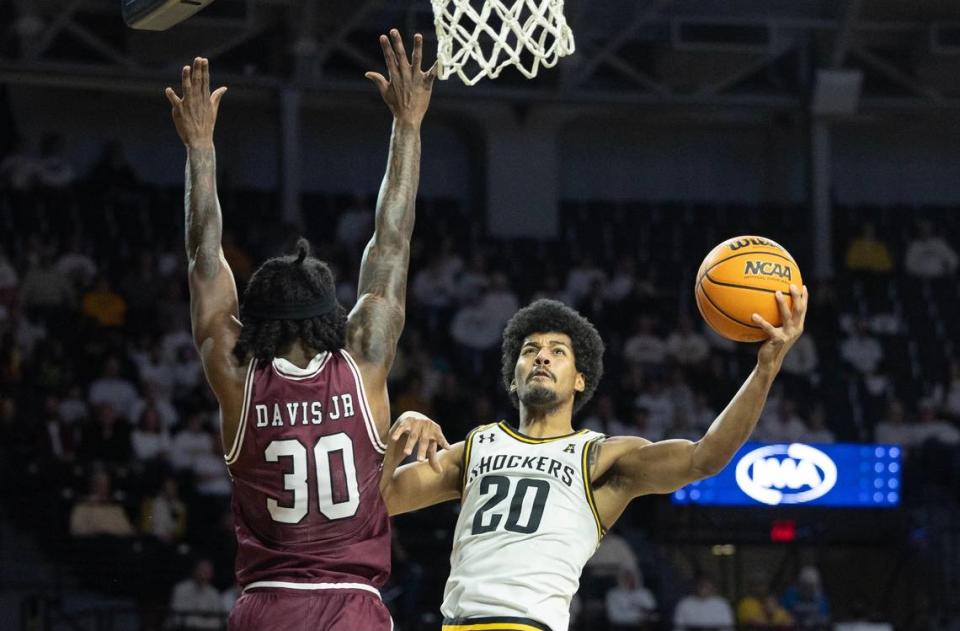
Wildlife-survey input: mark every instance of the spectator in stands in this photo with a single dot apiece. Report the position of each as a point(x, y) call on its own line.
point(476, 334)
point(53, 170)
point(356, 223)
point(191, 443)
point(164, 515)
point(894, 430)
point(61, 437)
point(622, 282)
point(156, 373)
point(77, 263)
point(644, 347)
point(948, 394)
point(704, 609)
point(932, 428)
point(106, 438)
point(604, 418)
point(867, 253)
point(613, 557)
point(228, 598)
point(169, 416)
point(806, 601)
point(861, 350)
point(780, 423)
point(18, 168)
point(474, 280)
point(112, 169)
point(9, 281)
point(113, 389)
point(641, 426)
point(686, 345)
point(98, 514)
point(929, 255)
point(151, 441)
point(702, 415)
point(73, 407)
point(105, 306)
point(817, 430)
point(582, 278)
point(800, 364)
point(500, 302)
point(681, 426)
point(656, 400)
point(196, 604)
point(239, 260)
point(759, 609)
point(629, 605)
point(435, 291)
point(45, 289)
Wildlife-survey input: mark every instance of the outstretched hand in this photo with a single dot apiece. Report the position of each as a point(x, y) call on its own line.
point(782, 338)
point(421, 433)
point(195, 113)
point(407, 93)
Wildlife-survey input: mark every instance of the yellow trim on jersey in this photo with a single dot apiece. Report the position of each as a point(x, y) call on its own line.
point(535, 441)
point(491, 626)
point(588, 488)
point(467, 448)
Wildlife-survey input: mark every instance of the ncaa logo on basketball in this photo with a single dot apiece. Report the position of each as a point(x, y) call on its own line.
point(786, 474)
point(766, 268)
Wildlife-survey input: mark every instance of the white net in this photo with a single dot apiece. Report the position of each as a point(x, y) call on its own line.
point(479, 38)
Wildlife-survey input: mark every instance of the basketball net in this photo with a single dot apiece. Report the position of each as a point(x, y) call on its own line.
point(479, 38)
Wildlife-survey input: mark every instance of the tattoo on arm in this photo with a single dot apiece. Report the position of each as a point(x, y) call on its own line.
point(593, 451)
point(204, 223)
point(383, 271)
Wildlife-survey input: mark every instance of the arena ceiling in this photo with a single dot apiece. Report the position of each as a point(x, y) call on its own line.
point(762, 53)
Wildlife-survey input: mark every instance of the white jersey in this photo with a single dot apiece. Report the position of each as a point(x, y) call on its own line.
point(528, 524)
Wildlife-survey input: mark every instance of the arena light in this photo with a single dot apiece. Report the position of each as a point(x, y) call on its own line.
point(158, 15)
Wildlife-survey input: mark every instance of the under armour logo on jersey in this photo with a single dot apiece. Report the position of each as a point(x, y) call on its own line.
point(486, 437)
point(570, 449)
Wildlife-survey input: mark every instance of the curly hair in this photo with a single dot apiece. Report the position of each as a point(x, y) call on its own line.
point(290, 279)
point(543, 316)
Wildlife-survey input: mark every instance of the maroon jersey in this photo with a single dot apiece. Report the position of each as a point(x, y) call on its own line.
point(306, 470)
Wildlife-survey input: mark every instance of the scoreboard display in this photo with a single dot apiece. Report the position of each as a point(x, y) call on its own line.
point(798, 474)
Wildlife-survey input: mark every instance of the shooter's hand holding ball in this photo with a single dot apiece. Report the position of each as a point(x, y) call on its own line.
point(750, 289)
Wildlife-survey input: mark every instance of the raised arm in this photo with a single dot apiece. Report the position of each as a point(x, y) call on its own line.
point(434, 478)
point(213, 292)
point(375, 324)
point(634, 466)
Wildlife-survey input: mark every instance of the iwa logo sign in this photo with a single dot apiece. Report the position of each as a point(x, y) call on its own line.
point(786, 474)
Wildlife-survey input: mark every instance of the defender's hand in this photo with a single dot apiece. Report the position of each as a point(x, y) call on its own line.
point(408, 91)
point(195, 114)
point(422, 433)
point(781, 339)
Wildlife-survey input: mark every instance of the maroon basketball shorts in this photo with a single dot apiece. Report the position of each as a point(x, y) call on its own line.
point(279, 609)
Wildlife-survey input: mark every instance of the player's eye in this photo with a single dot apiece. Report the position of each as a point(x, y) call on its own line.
point(528, 350)
point(559, 351)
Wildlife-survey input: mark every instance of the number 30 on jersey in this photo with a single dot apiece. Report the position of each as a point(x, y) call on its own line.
point(325, 455)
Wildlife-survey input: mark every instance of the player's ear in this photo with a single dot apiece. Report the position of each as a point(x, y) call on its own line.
point(513, 386)
point(580, 384)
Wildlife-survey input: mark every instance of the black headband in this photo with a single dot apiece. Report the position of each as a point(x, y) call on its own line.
point(294, 311)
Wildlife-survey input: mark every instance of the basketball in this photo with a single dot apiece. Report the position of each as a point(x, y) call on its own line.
point(738, 278)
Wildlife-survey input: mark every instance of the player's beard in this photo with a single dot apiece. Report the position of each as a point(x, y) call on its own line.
point(540, 398)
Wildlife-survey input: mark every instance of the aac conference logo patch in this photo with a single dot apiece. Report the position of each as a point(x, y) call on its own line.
point(786, 474)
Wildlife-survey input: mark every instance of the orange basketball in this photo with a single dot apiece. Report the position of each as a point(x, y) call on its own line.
point(739, 278)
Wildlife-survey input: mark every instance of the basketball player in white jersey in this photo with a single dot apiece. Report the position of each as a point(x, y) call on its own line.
point(536, 502)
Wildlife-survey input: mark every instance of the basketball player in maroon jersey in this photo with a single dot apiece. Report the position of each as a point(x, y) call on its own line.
point(301, 384)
